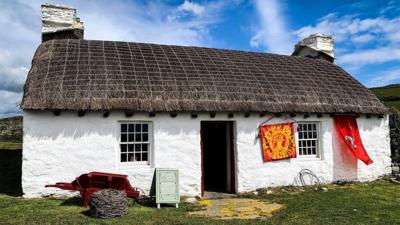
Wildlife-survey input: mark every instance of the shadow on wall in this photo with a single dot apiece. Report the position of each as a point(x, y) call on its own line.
point(10, 172)
point(345, 165)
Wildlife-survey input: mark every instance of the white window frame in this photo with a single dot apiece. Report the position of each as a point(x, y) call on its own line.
point(318, 140)
point(149, 142)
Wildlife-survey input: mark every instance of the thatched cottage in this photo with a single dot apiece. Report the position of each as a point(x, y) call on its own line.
point(128, 108)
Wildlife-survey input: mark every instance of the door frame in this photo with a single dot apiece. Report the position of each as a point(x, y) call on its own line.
point(232, 153)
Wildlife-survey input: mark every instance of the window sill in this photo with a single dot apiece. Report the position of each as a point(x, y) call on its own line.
point(308, 158)
point(134, 165)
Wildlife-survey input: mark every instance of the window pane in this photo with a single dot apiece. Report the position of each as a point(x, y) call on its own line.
point(145, 137)
point(138, 128)
point(144, 147)
point(131, 127)
point(138, 147)
point(145, 127)
point(123, 138)
point(123, 148)
point(123, 127)
point(138, 137)
point(313, 143)
point(131, 137)
point(123, 158)
point(130, 157)
point(144, 157)
point(138, 157)
point(130, 148)
point(308, 139)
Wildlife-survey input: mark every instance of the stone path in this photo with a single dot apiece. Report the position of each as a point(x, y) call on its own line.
point(236, 208)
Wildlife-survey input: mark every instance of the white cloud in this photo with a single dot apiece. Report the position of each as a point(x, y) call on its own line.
point(344, 27)
point(192, 7)
point(186, 24)
point(393, 5)
point(386, 78)
point(9, 103)
point(12, 73)
point(376, 55)
point(272, 32)
point(369, 40)
point(364, 38)
point(19, 36)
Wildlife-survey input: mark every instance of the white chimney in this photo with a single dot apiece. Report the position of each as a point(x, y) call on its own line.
point(316, 46)
point(60, 22)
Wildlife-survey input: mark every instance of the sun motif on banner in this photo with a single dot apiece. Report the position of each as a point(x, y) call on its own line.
point(277, 141)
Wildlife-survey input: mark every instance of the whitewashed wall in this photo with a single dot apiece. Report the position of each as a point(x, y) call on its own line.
point(59, 148)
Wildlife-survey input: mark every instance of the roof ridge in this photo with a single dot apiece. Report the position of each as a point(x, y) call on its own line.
point(198, 47)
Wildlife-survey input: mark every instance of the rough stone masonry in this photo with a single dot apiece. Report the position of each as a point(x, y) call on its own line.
point(60, 22)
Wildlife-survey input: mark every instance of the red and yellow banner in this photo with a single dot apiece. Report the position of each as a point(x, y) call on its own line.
point(277, 141)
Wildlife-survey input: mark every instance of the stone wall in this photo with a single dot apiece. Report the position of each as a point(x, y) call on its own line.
point(11, 129)
point(394, 123)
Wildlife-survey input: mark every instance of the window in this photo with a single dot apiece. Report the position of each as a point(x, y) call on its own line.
point(135, 142)
point(308, 139)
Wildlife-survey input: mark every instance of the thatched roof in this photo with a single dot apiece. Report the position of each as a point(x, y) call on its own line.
point(104, 75)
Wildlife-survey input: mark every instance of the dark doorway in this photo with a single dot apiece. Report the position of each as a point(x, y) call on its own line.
point(218, 159)
point(11, 172)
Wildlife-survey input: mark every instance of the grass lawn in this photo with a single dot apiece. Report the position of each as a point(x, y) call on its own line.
point(4, 145)
point(369, 203)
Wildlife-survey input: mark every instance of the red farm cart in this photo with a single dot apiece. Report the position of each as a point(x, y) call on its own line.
point(89, 183)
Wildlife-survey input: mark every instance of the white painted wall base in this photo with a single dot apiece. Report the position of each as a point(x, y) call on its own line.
point(60, 148)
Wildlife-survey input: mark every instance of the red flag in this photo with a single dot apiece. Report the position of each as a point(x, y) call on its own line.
point(347, 130)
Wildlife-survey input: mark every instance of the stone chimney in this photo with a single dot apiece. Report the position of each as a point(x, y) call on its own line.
point(317, 46)
point(60, 22)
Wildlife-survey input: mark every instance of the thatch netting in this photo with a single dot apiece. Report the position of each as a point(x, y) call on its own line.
point(108, 203)
point(103, 75)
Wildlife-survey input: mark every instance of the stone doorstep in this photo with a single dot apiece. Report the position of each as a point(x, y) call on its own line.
point(211, 194)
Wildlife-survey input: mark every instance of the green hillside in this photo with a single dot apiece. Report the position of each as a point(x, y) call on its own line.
point(11, 133)
point(390, 95)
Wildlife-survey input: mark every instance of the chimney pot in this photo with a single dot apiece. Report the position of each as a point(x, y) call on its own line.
point(60, 22)
point(316, 46)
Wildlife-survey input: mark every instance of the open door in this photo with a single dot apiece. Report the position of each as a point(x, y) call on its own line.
point(218, 157)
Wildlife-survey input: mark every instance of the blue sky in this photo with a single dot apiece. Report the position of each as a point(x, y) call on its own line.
point(366, 33)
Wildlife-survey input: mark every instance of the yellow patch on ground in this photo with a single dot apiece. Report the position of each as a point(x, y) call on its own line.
point(205, 202)
point(236, 208)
